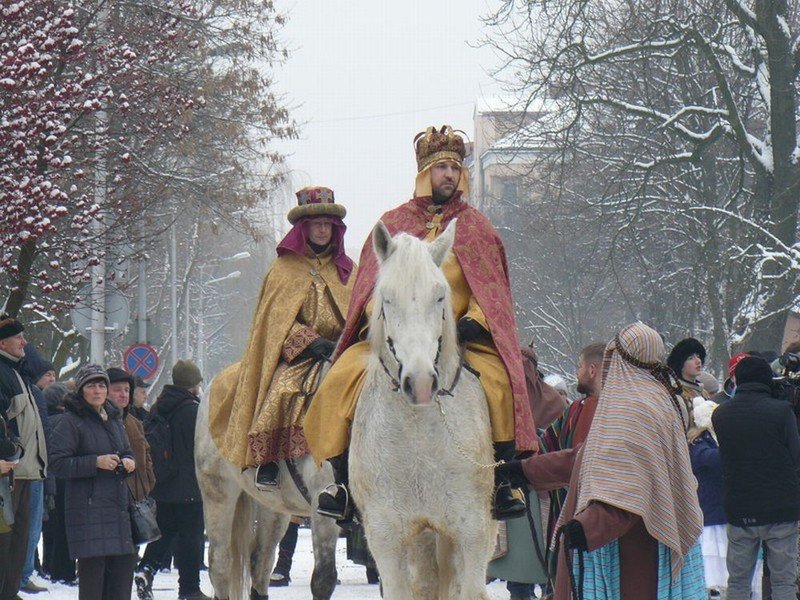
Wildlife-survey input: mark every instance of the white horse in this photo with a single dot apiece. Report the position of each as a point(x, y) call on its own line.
point(244, 525)
point(421, 440)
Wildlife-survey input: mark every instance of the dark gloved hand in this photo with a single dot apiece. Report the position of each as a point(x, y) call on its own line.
point(575, 537)
point(469, 330)
point(512, 471)
point(321, 348)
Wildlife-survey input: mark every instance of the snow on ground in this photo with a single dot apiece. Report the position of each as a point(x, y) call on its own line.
point(353, 579)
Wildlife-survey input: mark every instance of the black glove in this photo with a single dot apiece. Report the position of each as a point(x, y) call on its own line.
point(511, 470)
point(321, 348)
point(469, 330)
point(575, 538)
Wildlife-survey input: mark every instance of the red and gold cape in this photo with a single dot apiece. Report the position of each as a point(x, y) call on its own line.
point(482, 257)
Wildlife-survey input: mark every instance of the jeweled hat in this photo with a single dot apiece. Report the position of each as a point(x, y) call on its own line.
point(315, 201)
point(433, 145)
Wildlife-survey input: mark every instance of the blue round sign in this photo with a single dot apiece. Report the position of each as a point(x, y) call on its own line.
point(141, 360)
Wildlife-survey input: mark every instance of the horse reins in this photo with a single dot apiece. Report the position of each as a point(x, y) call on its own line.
point(395, 381)
point(440, 393)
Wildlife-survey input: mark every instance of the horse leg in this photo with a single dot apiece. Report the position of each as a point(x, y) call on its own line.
point(219, 519)
point(269, 529)
point(391, 556)
point(324, 534)
point(423, 566)
point(469, 554)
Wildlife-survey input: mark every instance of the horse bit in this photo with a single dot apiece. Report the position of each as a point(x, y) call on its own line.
point(395, 380)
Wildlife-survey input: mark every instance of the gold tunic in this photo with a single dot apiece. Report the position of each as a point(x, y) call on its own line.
point(257, 405)
point(327, 422)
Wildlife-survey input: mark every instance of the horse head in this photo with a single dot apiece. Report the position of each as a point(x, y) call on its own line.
point(412, 330)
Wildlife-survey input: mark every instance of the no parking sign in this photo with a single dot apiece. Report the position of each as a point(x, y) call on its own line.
point(141, 360)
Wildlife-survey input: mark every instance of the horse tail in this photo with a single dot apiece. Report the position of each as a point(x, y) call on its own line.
point(241, 542)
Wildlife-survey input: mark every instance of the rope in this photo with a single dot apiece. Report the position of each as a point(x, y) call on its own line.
point(539, 554)
point(577, 590)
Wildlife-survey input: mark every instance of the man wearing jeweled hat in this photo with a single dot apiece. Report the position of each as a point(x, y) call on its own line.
point(300, 314)
point(477, 272)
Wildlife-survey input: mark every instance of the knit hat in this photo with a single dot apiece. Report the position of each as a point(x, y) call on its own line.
point(138, 382)
point(735, 360)
point(682, 351)
point(753, 369)
point(9, 326)
point(54, 395)
point(185, 374)
point(116, 375)
point(90, 373)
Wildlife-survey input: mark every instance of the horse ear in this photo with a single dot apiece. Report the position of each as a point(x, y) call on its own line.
point(382, 242)
point(442, 245)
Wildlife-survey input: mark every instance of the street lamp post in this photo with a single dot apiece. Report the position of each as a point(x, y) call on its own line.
point(201, 343)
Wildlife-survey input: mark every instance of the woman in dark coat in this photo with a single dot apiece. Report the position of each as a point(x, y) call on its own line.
point(91, 452)
point(56, 561)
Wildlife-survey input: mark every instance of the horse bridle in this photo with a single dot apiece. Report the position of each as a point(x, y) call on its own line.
point(395, 381)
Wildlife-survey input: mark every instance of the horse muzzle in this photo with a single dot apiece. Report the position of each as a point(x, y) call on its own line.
point(420, 389)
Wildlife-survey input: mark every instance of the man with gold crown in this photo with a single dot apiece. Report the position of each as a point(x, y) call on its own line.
point(478, 276)
point(301, 311)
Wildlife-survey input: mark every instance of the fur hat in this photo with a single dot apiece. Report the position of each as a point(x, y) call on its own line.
point(90, 373)
point(315, 201)
point(682, 351)
point(753, 369)
point(9, 326)
point(185, 374)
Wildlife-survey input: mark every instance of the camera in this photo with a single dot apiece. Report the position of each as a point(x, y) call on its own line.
point(790, 361)
point(787, 384)
point(120, 468)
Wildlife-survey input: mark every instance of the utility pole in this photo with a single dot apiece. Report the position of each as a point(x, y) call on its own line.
point(141, 291)
point(173, 293)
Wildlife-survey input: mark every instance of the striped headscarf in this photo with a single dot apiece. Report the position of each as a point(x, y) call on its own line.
point(636, 457)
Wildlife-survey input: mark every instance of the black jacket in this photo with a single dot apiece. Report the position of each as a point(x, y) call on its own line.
point(96, 503)
point(760, 451)
point(179, 406)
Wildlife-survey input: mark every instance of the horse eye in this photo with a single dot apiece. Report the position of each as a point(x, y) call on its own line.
point(440, 299)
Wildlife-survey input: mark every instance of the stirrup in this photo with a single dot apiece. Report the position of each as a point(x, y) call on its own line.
point(346, 513)
point(267, 487)
point(515, 508)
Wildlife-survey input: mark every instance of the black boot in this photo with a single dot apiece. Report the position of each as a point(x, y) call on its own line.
point(267, 476)
point(334, 501)
point(509, 502)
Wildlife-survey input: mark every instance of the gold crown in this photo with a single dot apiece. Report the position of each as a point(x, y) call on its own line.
point(433, 145)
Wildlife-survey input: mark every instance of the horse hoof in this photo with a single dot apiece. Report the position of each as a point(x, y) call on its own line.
point(254, 595)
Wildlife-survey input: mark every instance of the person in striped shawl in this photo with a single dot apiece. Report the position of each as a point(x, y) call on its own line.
point(631, 521)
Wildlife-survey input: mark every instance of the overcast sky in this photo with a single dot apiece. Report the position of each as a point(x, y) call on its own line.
point(364, 77)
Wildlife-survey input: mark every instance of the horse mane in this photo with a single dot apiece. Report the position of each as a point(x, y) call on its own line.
point(411, 267)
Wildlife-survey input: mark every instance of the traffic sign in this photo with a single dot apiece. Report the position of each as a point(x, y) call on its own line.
point(141, 360)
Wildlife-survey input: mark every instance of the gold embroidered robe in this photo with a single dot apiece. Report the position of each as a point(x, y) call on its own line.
point(257, 416)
